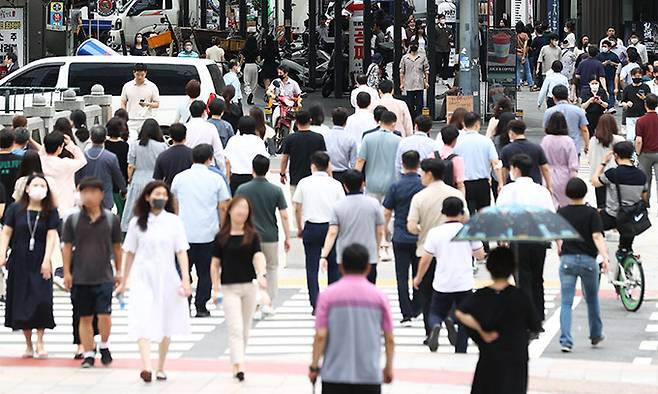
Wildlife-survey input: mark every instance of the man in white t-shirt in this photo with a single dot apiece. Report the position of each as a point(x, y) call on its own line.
point(453, 276)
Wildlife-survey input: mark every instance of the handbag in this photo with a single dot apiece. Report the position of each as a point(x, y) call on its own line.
point(634, 217)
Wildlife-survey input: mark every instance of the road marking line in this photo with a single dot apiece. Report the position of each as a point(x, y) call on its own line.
point(552, 326)
point(652, 328)
point(642, 361)
point(654, 316)
point(649, 345)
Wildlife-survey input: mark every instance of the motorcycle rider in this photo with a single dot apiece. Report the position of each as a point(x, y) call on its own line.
point(287, 87)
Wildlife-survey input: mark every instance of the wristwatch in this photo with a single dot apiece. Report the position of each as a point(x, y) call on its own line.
point(323, 257)
point(313, 369)
point(604, 164)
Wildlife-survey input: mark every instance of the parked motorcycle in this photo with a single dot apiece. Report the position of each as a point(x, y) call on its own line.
point(328, 84)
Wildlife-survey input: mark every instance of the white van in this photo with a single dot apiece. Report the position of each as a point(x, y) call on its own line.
point(82, 72)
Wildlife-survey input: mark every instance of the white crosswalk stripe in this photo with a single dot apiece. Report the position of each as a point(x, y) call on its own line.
point(59, 340)
point(291, 330)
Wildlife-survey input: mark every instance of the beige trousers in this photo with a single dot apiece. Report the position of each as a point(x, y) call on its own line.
point(239, 307)
point(271, 252)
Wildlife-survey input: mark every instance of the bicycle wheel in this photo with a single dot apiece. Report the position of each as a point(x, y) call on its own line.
point(632, 291)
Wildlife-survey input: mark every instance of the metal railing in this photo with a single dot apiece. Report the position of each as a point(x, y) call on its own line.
point(14, 95)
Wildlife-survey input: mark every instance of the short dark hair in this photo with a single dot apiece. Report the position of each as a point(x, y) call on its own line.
point(517, 127)
point(361, 79)
point(471, 119)
point(177, 132)
point(339, 116)
point(433, 166)
point(452, 206)
point(317, 114)
point(560, 92)
point(557, 124)
point(353, 180)
point(605, 42)
point(139, 67)
point(388, 117)
point(6, 138)
point(449, 133)
point(320, 160)
point(501, 263)
point(592, 51)
point(355, 259)
point(624, 149)
point(636, 70)
point(12, 56)
point(51, 142)
point(202, 153)
point(576, 188)
point(193, 88)
point(557, 66)
point(410, 160)
point(98, 134)
point(363, 99)
point(115, 126)
point(523, 162)
point(423, 123)
point(386, 86)
point(197, 108)
point(651, 101)
point(90, 182)
point(217, 107)
point(247, 125)
point(378, 111)
point(21, 135)
point(19, 121)
point(283, 68)
point(233, 63)
point(261, 165)
point(303, 117)
point(122, 114)
point(633, 56)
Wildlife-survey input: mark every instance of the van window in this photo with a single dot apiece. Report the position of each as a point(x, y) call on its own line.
point(171, 78)
point(41, 76)
point(216, 76)
point(111, 75)
point(168, 4)
point(145, 5)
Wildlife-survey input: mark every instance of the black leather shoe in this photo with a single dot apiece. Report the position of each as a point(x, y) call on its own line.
point(240, 376)
point(202, 313)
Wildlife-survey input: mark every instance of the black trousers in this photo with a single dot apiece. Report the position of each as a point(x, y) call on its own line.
point(550, 102)
point(199, 256)
point(372, 275)
point(415, 102)
point(442, 305)
point(443, 65)
point(530, 278)
point(600, 193)
point(239, 179)
point(405, 257)
point(313, 239)
point(478, 195)
point(626, 234)
point(348, 388)
point(425, 292)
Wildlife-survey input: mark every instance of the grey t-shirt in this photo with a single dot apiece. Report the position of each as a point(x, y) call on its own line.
point(92, 248)
point(357, 217)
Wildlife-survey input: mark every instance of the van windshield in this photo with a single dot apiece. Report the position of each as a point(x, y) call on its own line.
point(216, 76)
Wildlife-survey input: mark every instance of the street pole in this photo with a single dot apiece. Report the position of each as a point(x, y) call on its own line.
point(431, 56)
point(397, 45)
point(222, 15)
point(338, 49)
point(312, 41)
point(287, 20)
point(264, 18)
point(242, 9)
point(469, 51)
point(204, 13)
point(367, 34)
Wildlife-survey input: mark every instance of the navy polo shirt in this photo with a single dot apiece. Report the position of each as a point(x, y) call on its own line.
point(398, 199)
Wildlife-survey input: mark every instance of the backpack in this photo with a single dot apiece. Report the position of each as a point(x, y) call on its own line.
point(449, 171)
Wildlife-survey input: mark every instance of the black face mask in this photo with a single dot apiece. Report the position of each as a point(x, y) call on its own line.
point(637, 81)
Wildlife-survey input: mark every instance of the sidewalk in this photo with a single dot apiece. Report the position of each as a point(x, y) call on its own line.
point(415, 373)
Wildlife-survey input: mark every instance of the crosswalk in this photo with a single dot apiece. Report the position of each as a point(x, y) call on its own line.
point(289, 331)
point(59, 341)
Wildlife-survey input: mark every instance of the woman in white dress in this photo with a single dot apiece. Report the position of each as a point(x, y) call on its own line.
point(158, 305)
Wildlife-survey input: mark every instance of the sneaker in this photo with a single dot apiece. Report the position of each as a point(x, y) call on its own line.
point(452, 331)
point(59, 282)
point(250, 99)
point(88, 362)
point(565, 348)
point(597, 340)
point(406, 322)
point(267, 311)
point(433, 340)
point(258, 315)
point(202, 312)
point(106, 356)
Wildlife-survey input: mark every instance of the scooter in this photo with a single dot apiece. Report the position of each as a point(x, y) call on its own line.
point(280, 111)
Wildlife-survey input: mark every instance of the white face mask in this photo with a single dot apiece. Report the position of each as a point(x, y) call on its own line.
point(604, 50)
point(594, 88)
point(38, 193)
point(634, 41)
point(512, 176)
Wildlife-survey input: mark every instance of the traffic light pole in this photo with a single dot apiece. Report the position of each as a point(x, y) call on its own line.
point(397, 45)
point(469, 51)
point(431, 56)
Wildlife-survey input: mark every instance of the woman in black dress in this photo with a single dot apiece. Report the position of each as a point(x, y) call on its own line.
point(500, 319)
point(31, 231)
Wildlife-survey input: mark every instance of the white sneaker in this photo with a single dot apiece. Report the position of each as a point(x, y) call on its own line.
point(258, 315)
point(266, 311)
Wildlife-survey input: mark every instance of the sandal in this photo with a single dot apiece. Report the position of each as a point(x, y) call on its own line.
point(29, 353)
point(41, 351)
point(146, 376)
point(160, 375)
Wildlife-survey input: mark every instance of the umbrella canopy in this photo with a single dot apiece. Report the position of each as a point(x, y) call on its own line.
point(519, 223)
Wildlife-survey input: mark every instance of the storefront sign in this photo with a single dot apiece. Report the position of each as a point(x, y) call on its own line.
point(357, 37)
point(648, 32)
point(448, 8)
point(56, 16)
point(553, 15)
point(519, 11)
point(105, 7)
point(12, 32)
point(501, 66)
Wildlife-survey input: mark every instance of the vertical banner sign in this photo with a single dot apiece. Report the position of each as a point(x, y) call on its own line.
point(531, 11)
point(12, 32)
point(648, 32)
point(449, 9)
point(553, 15)
point(56, 15)
point(519, 11)
point(501, 66)
point(357, 38)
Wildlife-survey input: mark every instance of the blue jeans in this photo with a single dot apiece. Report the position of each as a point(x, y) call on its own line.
point(405, 257)
point(523, 69)
point(442, 305)
point(585, 267)
point(611, 92)
point(313, 238)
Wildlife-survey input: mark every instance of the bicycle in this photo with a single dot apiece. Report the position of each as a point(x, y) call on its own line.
point(629, 282)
